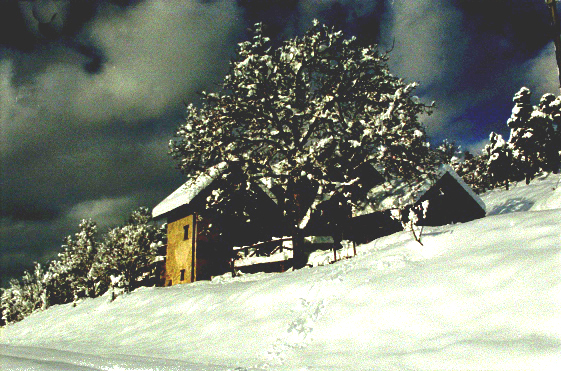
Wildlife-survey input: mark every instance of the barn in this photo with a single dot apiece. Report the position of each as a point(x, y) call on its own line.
point(195, 253)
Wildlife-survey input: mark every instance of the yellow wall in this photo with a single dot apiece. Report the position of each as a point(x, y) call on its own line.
point(180, 251)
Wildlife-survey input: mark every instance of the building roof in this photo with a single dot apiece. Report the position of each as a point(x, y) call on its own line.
point(189, 190)
point(381, 198)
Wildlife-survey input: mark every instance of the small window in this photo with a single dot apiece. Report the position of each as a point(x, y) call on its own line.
point(182, 275)
point(186, 232)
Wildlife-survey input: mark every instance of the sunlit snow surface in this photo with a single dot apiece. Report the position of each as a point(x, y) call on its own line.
point(484, 295)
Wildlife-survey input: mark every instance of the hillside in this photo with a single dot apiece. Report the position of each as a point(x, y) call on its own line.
point(477, 296)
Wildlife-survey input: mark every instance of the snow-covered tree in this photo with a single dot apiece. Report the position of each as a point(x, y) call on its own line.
point(128, 256)
point(533, 136)
point(499, 163)
point(550, 106)
point(304, 117)
point(68, 277)
point(12, 308)
point(448, 152)
point(21, 299)
point(474, 171)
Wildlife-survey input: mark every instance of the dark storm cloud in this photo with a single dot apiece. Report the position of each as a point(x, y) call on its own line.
point(288, 18)
point(467, 54)
point(92, 90)
point(87, 111)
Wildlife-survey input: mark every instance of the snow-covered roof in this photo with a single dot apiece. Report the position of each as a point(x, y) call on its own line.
point(382, 198)
point(188, 191)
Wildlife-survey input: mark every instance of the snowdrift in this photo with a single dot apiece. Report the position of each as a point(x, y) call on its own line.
point(481, 295)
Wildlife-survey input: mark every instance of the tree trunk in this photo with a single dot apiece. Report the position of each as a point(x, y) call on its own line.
point(295, 215)
point(337, 238)
point(299, 259)
point(528, 166)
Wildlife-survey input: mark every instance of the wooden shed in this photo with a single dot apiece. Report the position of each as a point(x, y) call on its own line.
point(451, 200)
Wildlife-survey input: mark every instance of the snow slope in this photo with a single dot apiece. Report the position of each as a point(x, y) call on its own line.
point(484, 295)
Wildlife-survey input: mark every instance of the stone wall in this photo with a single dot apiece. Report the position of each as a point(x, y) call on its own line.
point(180, 251)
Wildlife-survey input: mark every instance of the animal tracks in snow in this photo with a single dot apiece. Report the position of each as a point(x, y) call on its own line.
point(298, 332)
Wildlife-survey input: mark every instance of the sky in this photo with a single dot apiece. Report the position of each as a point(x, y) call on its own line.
point(91, 91)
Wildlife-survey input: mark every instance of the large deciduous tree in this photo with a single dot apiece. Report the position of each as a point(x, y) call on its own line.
point(305, 116)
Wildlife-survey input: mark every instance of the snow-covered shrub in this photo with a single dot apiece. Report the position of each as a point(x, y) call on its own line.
point(305, 116)
point(409, 219)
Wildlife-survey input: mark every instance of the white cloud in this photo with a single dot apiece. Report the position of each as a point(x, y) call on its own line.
point(52, 12)
point(157, 53)
point(17, 115)
point(477, 147)
point(429, 40)
point(7, 103)
point(429, 43)
point(541, 74)
point(105, 211)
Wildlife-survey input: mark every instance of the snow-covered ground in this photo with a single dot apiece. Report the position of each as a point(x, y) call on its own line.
point(484, 295)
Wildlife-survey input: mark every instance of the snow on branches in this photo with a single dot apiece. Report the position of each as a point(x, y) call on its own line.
point(313, 109)
point(410, 220)
point(534, 136)
point(534, 145)
point(127, 258)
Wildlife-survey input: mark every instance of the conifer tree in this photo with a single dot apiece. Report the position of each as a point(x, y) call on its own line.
point(474, 171)
point(448, 152)
point(550, 106)
point(128, 255)
point(534, 136)
point(69, 278)
point(521, 133)
point(499, 163)
point(12, 308)
point(21, 299)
